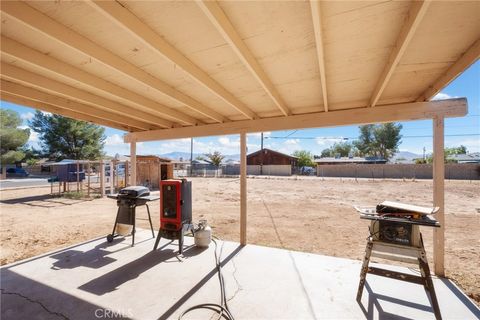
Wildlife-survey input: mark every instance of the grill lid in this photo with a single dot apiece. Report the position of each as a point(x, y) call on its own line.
point(134, 192)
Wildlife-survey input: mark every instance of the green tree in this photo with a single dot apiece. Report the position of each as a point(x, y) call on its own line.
point(62, 138)
point(343, 149)
point(12, 139)
point(455, 150)
point(448, 152)
point(380, 140)
point(305, 158)
point(214, 158)
point(366, 141)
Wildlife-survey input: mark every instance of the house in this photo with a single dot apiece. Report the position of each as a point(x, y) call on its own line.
point(270, 162)
point(349, 160)
point(465, 158)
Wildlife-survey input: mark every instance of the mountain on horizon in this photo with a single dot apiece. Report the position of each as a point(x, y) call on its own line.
point(406, 155)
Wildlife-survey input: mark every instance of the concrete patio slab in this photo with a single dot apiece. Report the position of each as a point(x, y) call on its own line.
point(98, 280)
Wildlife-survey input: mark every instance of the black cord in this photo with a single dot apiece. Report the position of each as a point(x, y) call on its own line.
point(222, 308)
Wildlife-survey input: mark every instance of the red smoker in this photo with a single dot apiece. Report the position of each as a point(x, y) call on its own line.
point(175, 210)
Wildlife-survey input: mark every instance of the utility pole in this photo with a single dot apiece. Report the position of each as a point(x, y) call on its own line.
point(424, 153)
point(191, 155)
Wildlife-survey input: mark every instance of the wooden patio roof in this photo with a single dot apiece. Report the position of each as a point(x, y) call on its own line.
point(169, 69)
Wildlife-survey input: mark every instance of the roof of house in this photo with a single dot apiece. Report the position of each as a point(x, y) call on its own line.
point(350, 160)
point(469, 157)
point(271, 151)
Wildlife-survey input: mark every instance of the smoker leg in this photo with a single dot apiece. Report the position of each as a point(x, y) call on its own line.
point(150, 220)
point(363, 272)
point(427, 281)
point(157, 241)
point(180, 242)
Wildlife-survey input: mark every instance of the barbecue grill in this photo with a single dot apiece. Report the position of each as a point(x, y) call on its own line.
point(128, 199)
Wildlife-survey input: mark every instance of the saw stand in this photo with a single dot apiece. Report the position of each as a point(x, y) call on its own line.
point(408, 254)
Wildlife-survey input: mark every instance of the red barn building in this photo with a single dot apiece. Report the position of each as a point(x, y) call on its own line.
point(270, 162)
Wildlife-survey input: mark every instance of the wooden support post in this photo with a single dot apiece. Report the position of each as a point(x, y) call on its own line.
point(112, 186)
point(88, 178)
point(243, 188)
point(78, 176)
point(439, 195)
point(127, 182)
point(133, 159)
point(102, 178)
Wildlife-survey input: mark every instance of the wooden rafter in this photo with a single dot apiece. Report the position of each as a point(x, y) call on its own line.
point(388, 113)
point(221, 22)
point(122, 16)
point(44, 24)
point(19, 51)
point(317, 28)
point(467, 59)
point(415, 14)
point(5, 96)
point(16, 74)
point(72, 105)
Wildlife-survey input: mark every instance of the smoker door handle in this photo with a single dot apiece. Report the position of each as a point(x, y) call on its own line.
point(181, 202)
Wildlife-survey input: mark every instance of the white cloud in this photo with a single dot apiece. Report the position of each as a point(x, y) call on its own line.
point(114, 140)
point(292, 141)
point(327, 142)
point(33, 138)
point(27, 116)
point(473, 145)
point(443, 96)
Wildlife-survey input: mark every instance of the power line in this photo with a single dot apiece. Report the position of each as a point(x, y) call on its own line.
point(355, 138)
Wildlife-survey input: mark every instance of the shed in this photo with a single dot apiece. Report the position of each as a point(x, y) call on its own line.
point(150, 169)
point(66, 170)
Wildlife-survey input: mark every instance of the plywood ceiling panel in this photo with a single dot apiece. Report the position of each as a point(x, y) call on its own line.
point(359, 39)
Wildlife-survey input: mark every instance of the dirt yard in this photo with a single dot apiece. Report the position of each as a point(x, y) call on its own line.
point(308, 214)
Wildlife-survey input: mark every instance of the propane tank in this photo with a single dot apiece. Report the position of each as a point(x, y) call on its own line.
point(203, 234)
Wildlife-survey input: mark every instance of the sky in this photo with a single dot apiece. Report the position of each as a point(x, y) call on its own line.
point(416, 134)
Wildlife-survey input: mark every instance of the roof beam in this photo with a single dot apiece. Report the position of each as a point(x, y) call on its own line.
point(410, 25)
point(317, 30)
point(126, 19)
point(63, 112)
point(74, 106)
point(223, 25)
point(19, 51)
point(45, 25)
point(467, 59)
point(356, 116)
point(32, 79)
